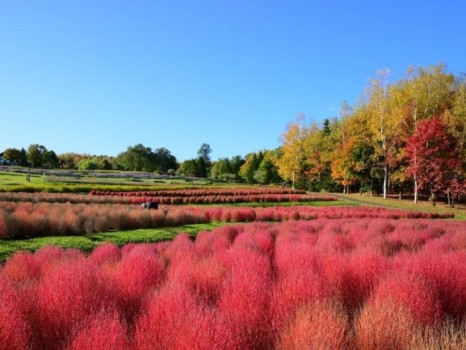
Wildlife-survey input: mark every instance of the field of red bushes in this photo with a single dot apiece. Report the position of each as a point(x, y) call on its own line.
point(340, 281)
point(30, 219)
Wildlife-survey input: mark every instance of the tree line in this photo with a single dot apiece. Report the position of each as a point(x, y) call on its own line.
point(256, 167)
point(403, 136)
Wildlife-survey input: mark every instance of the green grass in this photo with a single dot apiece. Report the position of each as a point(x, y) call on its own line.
point(337, 203)
point(15, 179)
point(440, 208)
point(88, 242)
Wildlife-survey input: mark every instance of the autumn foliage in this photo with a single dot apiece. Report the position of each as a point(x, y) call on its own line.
point(433, 158)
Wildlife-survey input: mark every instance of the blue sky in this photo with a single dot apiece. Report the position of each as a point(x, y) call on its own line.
point(95, 77)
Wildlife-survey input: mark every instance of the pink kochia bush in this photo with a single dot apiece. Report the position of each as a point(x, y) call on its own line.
point(320, 284)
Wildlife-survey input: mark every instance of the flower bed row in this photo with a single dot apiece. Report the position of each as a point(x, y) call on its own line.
point(198, 192)
point(277, 198)
point(22, 220)
point(323, 284)
point(213, 199)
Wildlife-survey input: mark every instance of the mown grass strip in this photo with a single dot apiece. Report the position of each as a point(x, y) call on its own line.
point(440, 208)
point(318, 204)
point(89, 242)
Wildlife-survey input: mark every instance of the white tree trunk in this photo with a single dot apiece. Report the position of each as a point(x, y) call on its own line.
point(385, 181)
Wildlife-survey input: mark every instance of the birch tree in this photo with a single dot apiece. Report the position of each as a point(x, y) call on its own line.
point(291, 165)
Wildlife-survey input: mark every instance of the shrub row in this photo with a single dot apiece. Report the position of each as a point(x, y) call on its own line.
point(23, 220)
point(213, 199)
point(323, 284)
point(200, 192)
point(277, 198)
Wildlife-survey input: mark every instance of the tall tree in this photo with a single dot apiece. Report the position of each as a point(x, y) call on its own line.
point(267, 171)
point(50, 160)
point(339, 156)
point(188, 168)
point(427, 92)
point(248, 170)
point(292, 164)
point(204, 162)
point(384, 127)
point(137, 158)
point(164, 160)
point(436, 158)
point(456, 120)
point(34, 154)
point(221, 169)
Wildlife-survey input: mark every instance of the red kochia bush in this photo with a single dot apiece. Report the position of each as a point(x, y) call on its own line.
point(446, 277)
point(22, 267)
point(71, 293)
point(105, 331)
point(385, 326)
point(320, 324)
point(139, 272)
point(106, 253)
point(413, 294)
point(246, 297)
point(173, 320)
point(15, 332)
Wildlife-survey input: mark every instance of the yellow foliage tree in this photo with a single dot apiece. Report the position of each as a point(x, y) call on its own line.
point(291, 165)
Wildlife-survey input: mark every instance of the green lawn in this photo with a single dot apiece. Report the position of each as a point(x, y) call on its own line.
point(337, 203)
point(459, 211)
point(14, 179)
point(88, 242)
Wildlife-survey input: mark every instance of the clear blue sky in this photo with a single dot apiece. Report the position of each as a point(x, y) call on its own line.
point(96, 76)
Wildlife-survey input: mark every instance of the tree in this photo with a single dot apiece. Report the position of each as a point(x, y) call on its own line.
point(267, 172)
point(456, 120)
point(188, 168)
point(384, 126)
point(164, 160)
point(137, 158)
point(50, 160)
point(436, 158)
point(251, 165)
point(319, 146)
point(70, 160)
point(221, 169)
point(341, 153)
point(236, 162)
point(204, 163)
point(87, 164)
point(34, 154)
point(291, 165)
point(427, 92)
point(13, 156)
